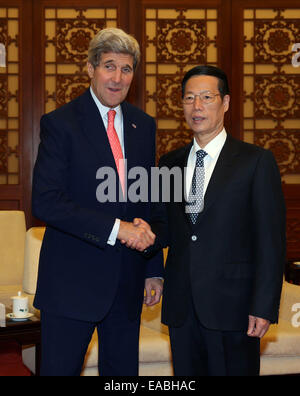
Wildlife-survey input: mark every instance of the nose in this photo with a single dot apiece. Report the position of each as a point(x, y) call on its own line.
point(117, 76)
point(198, 104)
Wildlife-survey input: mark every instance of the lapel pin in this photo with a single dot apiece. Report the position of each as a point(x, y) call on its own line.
point(134, 126)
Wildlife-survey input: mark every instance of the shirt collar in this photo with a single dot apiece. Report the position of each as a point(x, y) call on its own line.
point(103, 109)
point(214, 147)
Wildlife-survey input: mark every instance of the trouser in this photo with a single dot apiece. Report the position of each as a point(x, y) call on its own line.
point(198, 351)
point(65, 342)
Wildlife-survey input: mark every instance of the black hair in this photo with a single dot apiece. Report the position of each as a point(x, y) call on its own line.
point(208, 70)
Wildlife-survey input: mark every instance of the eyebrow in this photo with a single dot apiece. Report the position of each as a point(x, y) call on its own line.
point(205, 91)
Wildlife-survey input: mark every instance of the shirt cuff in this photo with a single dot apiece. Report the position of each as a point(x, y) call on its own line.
point(113, 235)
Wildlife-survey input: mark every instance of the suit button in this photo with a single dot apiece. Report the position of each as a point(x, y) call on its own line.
point(194, 238)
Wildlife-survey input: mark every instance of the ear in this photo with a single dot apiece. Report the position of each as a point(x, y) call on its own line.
point(226, 101)
point(90, 69)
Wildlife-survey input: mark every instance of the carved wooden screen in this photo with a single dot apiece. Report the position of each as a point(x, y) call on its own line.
point(176, 38)
point(15, 41)
point(271, 84)
point(9, 96)
point(270, 89)
point(68, 32)
point(63, 32)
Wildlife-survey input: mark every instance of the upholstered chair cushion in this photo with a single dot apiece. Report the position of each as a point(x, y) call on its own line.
point(34, 238)
point(12, 242)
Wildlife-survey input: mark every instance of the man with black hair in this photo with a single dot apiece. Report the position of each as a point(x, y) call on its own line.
point(226, 240)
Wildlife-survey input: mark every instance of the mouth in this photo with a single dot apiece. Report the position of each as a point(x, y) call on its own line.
point(114, 90)
point(198, 119)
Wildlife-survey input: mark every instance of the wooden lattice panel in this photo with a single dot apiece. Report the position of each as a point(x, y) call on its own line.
point(176, 40)
point(9, 97)
point(67, 36)
point(271, 111)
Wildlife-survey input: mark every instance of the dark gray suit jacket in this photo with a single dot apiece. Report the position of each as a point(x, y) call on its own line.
point(231, 261)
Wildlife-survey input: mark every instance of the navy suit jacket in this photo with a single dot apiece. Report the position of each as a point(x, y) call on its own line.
point(79, 273)
point(231, 261)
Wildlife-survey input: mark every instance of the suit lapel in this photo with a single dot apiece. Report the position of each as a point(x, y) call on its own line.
point(220, 175)
point(94, 130)
point(181, 162)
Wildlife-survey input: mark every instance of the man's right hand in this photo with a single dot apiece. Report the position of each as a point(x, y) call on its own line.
point(136, 235)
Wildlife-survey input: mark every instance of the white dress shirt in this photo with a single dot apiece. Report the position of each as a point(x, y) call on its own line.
point(213, 149)
point(118, 124)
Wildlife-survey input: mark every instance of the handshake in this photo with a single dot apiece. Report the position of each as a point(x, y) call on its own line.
point(136, 235)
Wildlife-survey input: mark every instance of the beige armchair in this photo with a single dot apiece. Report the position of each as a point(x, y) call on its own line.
point(12, 242)
point(280, 348)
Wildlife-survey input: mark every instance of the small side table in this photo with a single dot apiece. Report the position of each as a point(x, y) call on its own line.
point(293, 272)
point(25, 333)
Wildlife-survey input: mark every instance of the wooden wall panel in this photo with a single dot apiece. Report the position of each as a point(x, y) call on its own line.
point(15, 105)
point(292, 197)
point(175, 36)
point(265, 97)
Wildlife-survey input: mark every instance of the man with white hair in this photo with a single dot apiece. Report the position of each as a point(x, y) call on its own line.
point(88, 277)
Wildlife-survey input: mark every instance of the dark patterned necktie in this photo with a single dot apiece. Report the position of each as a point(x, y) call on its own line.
point(196, 200)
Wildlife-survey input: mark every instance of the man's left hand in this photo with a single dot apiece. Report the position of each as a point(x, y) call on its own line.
point(257, 327)
point(154, 289)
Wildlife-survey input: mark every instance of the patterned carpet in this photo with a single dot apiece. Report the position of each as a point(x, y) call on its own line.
point(11, 364)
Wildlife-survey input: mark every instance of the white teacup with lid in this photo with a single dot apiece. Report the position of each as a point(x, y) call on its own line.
point(20, 305)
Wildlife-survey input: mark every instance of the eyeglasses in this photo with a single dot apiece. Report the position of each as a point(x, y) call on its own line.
point(205, 97)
